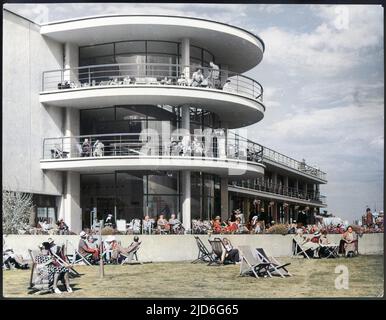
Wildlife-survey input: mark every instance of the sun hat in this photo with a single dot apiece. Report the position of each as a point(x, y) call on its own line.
point(82, 234)
point(317, 233)
point(110, 238)
point(50, 240)
point(217, 218)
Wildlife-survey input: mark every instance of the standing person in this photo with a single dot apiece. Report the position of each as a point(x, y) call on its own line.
point(214, 74)
point(369, 218)
point(86, 148)
point(109, 221)
point(98, 149)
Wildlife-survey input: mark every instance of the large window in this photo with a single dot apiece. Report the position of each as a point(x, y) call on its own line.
point(141, 51)
point(45, 208)
point(129, 195)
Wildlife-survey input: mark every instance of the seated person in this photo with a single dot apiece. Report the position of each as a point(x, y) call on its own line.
point(216, 225)
point(306, 243)
point(174, 223)
point(62, 226)
point(98, 149)
point(232, 227)
point(166, 81)
point(230, 253)
point(147, 224)
point(109, 245)
point(162, 224)
point(10, 260)
point(129, 251)
point(181, 81)
point(197, 78)
point(240, 227)
point(49, 270)
point(227, 86)
point(350, 240)
point(84, 248)
point(45, 226)
point(126, 80)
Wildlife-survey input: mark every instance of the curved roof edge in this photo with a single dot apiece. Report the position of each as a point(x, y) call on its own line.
point(153, 15)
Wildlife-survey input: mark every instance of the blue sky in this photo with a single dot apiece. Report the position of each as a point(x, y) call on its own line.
point(322, 74)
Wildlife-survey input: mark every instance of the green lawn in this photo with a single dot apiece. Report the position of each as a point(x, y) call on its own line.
point(311, 278)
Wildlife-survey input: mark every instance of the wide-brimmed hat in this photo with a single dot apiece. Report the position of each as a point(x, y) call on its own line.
point(317, 233)
point(82, 234)
point(110, 238)
point(50, 240)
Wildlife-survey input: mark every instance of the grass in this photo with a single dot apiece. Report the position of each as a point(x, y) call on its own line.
point(311, 278)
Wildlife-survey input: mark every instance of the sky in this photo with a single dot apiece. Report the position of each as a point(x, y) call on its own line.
point(322, 74)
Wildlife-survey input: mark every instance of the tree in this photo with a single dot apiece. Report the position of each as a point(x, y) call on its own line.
point(17, 208)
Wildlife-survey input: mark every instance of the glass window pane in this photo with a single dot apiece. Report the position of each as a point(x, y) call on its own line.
point(41, 214)
point(163, 184)
point(51, 215)
point(207, 57)
point(130, 47)
point(161, 47)
point(160, 204)
point(129, 196)
point(195, 53)
point(95, 51)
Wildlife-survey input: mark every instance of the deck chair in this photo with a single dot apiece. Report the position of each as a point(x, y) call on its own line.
point(129, 256)
point(217, 250)
point(299, 250)
point(329, 251)
point(276, 268)
point(77, 257)
point(61, 258)
point(250, 265)
point(203, 253)
point(38, 284)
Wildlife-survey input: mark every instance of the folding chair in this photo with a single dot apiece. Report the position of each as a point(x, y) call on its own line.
point(38, 283)
point(276, 268)
point(203, 253)
point(299, 250)
point(250, 265)
point(129, 256)
point(78, 257)
point(63, 261)
point(329, 250)
point(217, 250)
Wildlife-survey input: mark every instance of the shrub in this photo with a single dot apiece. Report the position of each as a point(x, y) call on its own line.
point(278, 229)
point(108, 231)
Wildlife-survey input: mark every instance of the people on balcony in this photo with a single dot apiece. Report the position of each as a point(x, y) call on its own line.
point(181, 81)
point(197, 78)
point(162, 225)
point(86, 148)
point(227, 86)
point(214, 75)
point(98, 149)
point(147, 225)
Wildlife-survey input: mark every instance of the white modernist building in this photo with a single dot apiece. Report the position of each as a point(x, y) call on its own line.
point(135, 116)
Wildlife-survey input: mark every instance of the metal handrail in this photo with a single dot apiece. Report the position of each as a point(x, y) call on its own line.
point(301, 166)
point(280, 190)
point(144, 144)
point(122, 74)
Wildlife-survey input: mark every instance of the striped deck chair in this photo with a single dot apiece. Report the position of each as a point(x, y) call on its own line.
point(203, 253)
point(250, 265)
point(276, 268)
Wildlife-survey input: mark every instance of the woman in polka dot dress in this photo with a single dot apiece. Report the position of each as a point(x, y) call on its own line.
point(48, 268)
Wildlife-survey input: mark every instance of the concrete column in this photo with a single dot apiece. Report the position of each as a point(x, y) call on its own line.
point(71, 129)
point(185, 56)
point(70, 61)
point(274, 181)
point(224, 199)
point(305, 190)
point(185, 176)
point(224, 74)
point(70, 204)
point(285, 185)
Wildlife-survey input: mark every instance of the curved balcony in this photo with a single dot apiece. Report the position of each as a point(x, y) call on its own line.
point(218, 154)
point(236, 99)
point(277, 159)
point(233, 46)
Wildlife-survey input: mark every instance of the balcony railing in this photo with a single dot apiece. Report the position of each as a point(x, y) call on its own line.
point(131, 74)
point(281, 190)
point(301, 166)
point(207, 145)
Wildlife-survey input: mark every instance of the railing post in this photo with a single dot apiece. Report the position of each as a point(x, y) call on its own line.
point(62, 75)
point(43, 81)
point(89, 77)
